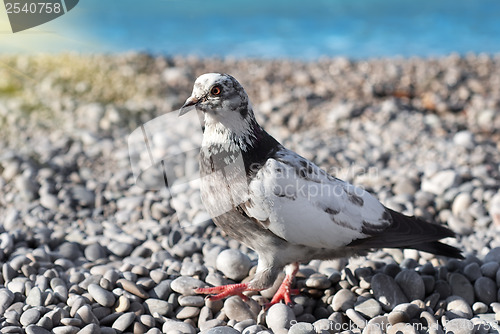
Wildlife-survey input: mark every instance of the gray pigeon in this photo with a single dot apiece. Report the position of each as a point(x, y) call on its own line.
point(282, 205)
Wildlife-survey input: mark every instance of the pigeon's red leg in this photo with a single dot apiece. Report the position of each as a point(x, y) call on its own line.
point(284, 290)
point(219, 292)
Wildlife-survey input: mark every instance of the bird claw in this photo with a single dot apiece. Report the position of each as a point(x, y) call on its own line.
point(219, 292)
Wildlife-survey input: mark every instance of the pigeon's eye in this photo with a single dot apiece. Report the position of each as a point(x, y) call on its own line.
point(215, 91)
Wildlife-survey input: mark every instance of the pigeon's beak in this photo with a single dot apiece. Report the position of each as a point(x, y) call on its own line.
point(191, 101)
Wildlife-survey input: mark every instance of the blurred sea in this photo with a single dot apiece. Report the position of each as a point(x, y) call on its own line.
point(284, 28)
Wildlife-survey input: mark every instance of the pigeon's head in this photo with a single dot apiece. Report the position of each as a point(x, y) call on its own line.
point(221, 98)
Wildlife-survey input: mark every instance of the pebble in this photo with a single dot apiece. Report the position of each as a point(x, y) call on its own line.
point(302, 328)
point(101, 296)
point(159, 306)
point(279, 316)
point(440, 182)
point(29, 317)
point(459, 326)
point(233, 264)
point(486, 290)
point(185, 285)
point(221, 330)
point(123, 321)
point(460, 286)
point(412, 284)
point(33, 329)
point(370, 308)
point(458, 307)
point(493, 255)
point(187, 312)
point(387, 292)
point(490, 269)
point(182, 327)
point(94, 252)
point(343, 300)
point(472, 271)
point(236, 309)
point(132, 288)
point(34, 297)
point(479, 308)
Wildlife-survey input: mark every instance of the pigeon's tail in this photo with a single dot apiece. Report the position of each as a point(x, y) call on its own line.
point(438, 248)
point(411, 232)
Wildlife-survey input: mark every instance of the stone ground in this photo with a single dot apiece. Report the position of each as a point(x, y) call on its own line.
point(84, 249)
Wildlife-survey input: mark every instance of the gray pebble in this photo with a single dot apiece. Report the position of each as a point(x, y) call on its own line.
point(94, 252)
point(493, 255)
point(255, 329)
point(65, 330)
point(461, 203)
point(317, 281)
point(370, 308)
point(185, 285)
point(124, 321)
point(183, 327)
point(343, 300)
point(460, 286)
point(490, 269)
point(279, 316)
point(6, 299)
point(233, 264)
point(221, 330)
point(90, 329)
point(411, 283)
point(34, 329)
point(187, 312)
point(34, 297)
point(71, 322)
point(197, 301)
point(120, 249)
point(132, 287)
point(356, 318)
point(479, 308)
point(101, 296)
point(86, 315)
point(472, 271)
point(459, 326)
point(236, 309)
point(49, 201)
point(158, 306)
point(440, 182)
point(486, 290)
point(458, 307)
point(387, 292)
point(240, 326)
point(302, 328)
point(29, 317)
point(400, 327)
point(162, 290)
point(70, 250)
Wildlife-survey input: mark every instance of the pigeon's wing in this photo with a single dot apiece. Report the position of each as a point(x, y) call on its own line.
point(302, 204)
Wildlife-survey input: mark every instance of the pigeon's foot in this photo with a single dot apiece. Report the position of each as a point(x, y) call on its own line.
point(284, 292)
point(223, 291)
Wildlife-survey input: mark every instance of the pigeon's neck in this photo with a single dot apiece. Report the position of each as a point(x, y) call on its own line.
point(232, 135)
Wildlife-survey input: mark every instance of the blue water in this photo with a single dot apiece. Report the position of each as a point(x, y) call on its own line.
point(284, 28)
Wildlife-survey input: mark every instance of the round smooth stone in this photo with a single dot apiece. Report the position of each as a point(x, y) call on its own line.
point(101, 296)
point(233, 264)
point(279, 316)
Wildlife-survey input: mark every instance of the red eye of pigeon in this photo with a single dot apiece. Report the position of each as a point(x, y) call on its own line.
point(216, 90)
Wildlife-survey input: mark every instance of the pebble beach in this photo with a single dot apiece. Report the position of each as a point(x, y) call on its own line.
point(84, 249)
